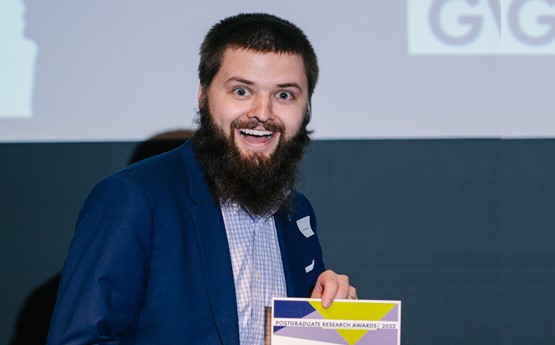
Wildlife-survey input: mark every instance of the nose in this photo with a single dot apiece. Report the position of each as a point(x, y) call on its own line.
point(261, 109)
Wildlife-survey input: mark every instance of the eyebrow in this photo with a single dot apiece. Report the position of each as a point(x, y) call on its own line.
point(249, 82)
point(294, 85)
point(240, 80)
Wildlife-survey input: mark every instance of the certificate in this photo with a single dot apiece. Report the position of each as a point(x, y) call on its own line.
point(303, 321)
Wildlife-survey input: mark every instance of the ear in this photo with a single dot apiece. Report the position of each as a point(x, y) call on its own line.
point(200, 95)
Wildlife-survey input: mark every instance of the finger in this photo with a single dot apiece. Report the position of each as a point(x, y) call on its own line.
point(318, 287)
point(325, 288)
point(352, 293)
point(344, 288)
point(335, 286)
point(330, 288)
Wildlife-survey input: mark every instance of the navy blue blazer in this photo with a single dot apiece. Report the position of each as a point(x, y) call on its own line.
point(149, 262)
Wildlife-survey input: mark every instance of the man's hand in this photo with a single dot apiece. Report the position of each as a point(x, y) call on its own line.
point(331, 286)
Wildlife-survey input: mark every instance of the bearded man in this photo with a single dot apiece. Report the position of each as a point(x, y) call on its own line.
point(189, 247)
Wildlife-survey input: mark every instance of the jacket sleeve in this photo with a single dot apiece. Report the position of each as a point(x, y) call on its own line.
point(104, 276)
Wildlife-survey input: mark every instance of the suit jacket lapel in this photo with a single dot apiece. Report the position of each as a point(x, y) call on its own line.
point(214, 250)
point(291, 254)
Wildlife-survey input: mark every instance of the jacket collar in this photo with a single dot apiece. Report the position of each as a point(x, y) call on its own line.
point(292, 251)
point(214, 249)
point(215, 256)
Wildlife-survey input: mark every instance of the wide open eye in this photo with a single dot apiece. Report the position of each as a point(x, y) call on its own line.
point(285, 95)
point(241, 91)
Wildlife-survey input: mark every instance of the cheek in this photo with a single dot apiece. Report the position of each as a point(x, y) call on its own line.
point(293, 123)
point(223, 114)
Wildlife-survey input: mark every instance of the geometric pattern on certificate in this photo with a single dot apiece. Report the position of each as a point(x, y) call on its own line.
point(340, 310)
point(291, 309)
point(327, 336)
point(371, 311)
point(383, 336)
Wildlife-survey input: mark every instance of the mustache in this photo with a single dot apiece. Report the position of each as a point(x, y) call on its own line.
point(255, 123)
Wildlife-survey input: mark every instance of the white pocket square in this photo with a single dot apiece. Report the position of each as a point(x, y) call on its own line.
point(304, 226)
point(309, 267)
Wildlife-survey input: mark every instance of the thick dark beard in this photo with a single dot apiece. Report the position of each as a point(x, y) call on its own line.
point(259, 183)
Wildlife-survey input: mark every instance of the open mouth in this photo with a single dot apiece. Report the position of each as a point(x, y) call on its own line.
point(255, 136)
point(256, 133)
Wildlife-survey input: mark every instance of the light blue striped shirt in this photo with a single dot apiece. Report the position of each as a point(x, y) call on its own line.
point(257, 268)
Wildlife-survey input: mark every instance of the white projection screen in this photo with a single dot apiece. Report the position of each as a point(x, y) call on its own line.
point(124, 70)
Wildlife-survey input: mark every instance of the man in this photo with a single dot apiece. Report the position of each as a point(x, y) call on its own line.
point(189, 247)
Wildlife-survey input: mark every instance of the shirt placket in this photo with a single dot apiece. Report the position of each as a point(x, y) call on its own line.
point(259, 293)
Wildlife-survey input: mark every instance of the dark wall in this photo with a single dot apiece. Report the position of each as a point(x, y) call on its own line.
point(42, 187)
point(462, 231)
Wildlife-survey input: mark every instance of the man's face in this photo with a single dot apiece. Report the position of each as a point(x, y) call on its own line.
point(255, 98)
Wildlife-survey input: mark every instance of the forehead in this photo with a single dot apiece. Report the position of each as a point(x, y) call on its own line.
point(262, 65)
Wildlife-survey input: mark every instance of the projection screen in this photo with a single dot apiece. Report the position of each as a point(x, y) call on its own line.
point(125, 70)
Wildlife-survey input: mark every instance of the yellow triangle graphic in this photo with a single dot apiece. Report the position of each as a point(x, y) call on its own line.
point(358, 311)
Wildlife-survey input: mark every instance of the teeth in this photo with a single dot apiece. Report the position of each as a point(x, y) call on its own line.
point(255, 132)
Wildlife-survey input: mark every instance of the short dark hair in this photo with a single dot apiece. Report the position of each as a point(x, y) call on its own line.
point(258, 32)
